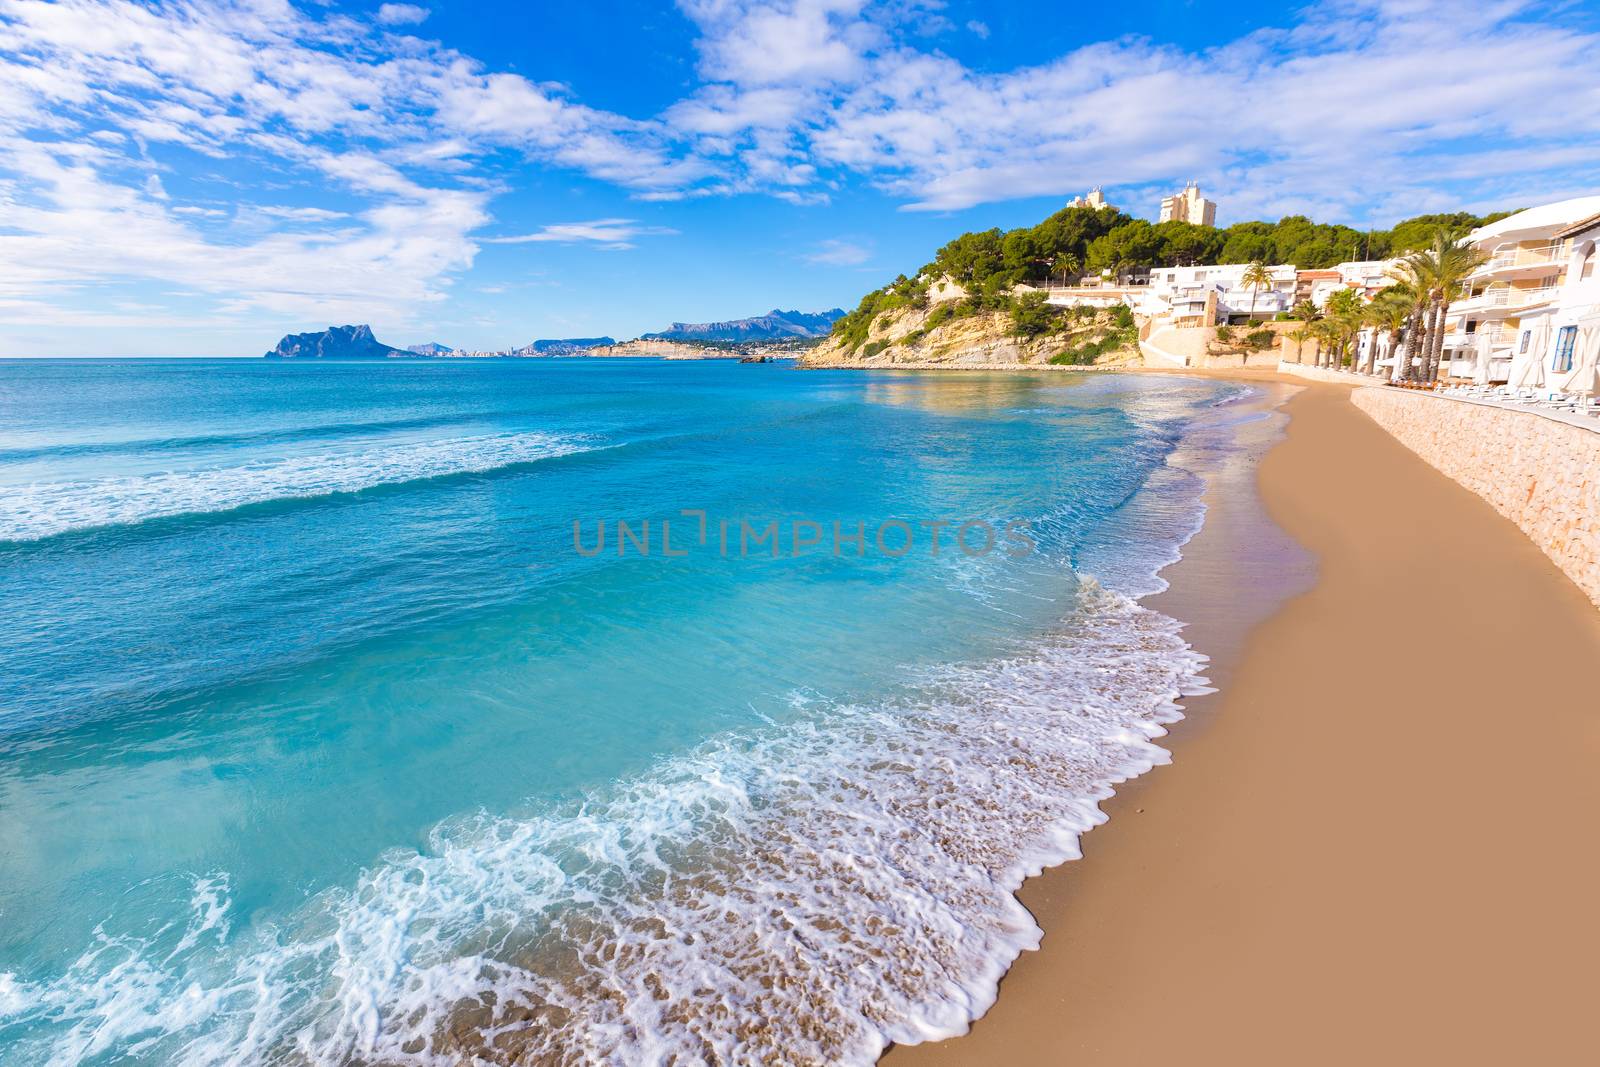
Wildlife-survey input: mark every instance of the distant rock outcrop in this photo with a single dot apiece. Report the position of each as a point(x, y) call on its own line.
point(432, 348)
point(773, 325)
point(336, 342)
point(565, 346)
point(655, 348)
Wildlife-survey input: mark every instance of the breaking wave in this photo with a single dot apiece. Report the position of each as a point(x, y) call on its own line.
point(806, 893)
point(44, 509)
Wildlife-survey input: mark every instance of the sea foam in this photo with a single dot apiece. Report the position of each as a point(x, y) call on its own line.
point(805, 893)
point(44, 509)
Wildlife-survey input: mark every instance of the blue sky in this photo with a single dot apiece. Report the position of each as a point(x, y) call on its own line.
point(201, 178)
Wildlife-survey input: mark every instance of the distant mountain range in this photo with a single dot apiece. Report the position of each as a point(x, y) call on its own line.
point(773, 325)
point(336, 342)
point(357, 342)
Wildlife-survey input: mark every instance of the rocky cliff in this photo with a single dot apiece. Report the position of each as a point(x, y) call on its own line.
point(942, 336)
point(336, 342)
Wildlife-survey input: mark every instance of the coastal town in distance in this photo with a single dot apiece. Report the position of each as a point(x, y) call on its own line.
point(1518, 321)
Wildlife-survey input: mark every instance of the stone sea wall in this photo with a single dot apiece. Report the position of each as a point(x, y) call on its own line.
point(1541, 474)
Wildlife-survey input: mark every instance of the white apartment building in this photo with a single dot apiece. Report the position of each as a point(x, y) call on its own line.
point(1498, 331)
point(1095, 199)
point(1565, 356)
point(1189, 206)
point(1205, 296)
point(1365, 276)
point(1368, 276)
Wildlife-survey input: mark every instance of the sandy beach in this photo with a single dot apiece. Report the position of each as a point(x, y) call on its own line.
point(1375, 842)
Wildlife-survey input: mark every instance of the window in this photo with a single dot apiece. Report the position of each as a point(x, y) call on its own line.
point(1566, 340)
point(1527, 335)
point(1588, 268)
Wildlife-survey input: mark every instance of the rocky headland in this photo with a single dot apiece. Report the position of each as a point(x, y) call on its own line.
point(957, 334)
point(336, 342)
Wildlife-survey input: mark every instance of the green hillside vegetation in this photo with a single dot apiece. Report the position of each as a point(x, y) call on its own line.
point(1079, 240)
point(1121, 334)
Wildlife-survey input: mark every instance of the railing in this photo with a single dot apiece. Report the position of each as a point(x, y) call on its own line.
point(1517, 298)
point(1522, 257)
point(1506, 297)
point(1266, 300)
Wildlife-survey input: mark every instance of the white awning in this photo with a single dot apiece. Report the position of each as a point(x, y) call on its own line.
point(1546, 218)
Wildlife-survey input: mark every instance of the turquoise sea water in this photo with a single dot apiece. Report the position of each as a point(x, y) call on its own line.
point(322, 742)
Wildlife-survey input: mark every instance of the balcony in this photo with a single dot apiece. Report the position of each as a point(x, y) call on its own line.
point(1522, 262)
point(1461, 340)
point(1504, 300)
point(1237, 301)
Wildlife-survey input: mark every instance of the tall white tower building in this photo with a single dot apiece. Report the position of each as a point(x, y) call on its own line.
point(1189, 206)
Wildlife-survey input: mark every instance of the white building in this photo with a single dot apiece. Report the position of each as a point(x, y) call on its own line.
point(1499, 329)
point(1368, 276)
point(1093, 296)
point(1189, 206)
point(1567, 354)
point(1095, 199)
point(1205, 296)
point(1365, 276)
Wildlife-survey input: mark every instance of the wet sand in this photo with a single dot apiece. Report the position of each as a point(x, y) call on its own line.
point(1376, 844)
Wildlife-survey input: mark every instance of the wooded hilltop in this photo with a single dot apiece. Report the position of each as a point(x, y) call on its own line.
point(1075, 241)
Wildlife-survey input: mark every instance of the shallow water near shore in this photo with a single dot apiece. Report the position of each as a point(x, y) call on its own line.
point(326, 744)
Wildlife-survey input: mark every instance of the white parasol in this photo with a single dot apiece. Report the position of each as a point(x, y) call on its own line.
point(1480, 372)
point(1527, 369)
point(1586, 378)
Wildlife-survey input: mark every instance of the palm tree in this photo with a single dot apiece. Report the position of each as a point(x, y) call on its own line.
point(1437, 274)
point(1457, 261)
point(1343, 314)
point(1387, 315)
point(1256, 277)
point(1300, 335)
point(1307, 313)
point(1413, 277)
point(1326, 331)
point(1066, 263)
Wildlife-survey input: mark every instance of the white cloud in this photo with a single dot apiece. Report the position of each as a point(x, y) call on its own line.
point(394, 124)
point(755, 43)
point(300, 214)
point(1360, 110)
point(1332, 111)
point(839, 253)
point(612, 234)
point(978, 29)
point(401, 14)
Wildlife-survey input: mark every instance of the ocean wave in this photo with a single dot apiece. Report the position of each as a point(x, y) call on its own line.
point(44, 509)
point(806, 893)
point(50, 448)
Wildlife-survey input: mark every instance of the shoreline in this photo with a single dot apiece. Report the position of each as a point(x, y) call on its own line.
point(1313, 874)
point(1018, 368)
